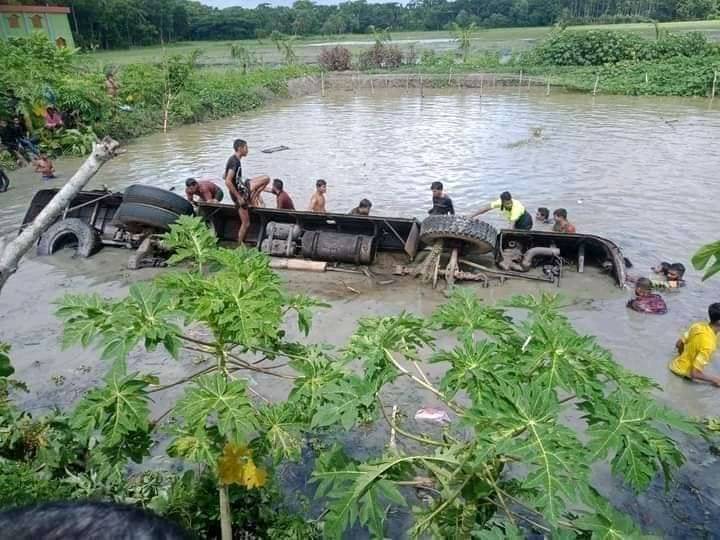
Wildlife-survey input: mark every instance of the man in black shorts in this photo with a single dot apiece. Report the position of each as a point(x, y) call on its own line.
point(244, 193)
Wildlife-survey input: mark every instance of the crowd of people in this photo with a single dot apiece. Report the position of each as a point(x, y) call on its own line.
point(694, 348)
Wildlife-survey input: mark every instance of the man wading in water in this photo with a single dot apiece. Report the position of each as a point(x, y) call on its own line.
point(244, 193)
point(513, 210)
point(696, 347)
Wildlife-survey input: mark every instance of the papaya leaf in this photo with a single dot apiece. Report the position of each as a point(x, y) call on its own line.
point(702, 259)
point(347, 399)
point(118, 411)
point(281, 428)
point(215, 399)
point(190, 238)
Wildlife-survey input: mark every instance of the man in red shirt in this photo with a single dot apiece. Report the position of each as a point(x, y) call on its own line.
point(207, 191)
point(284, 202)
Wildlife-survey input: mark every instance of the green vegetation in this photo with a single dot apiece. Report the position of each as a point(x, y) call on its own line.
point(509, 464)
point(115, 24)
point(152, 96)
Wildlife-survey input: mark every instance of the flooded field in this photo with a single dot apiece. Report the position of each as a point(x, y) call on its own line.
point(640, 172)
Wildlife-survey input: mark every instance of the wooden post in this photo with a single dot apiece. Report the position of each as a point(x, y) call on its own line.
point(494, 80)
point(372, 87)
point(647, 79)
point(521, 74)
point(482, 79)
point(407, 83)
point(421, 86)
point(451, 268)
point(322, 83)
point(450, 77)
point(597, 81)
point(714, 86)
point(547, 91)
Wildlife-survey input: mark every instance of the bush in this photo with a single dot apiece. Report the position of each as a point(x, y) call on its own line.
point(381, 55)
point(599, 47)
point(335, 59)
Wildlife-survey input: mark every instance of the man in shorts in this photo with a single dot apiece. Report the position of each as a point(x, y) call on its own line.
point(242, 191)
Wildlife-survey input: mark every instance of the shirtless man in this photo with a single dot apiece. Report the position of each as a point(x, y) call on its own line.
point(205, 190)
point(317, 201)
point(242, 192)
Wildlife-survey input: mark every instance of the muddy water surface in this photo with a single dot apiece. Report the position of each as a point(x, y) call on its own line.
point(640, 172)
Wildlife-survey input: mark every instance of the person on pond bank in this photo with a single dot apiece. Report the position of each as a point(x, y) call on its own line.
point(696, 347)
point(45, 167)
point(441, 203)
point(244, 192)
point(53, 119)
point(562, 224)
point(205, 190)
point(645, 300)
point(317, 201)
point(284, 201)
point(362, 209)
point(111, 85)
point(512, 209)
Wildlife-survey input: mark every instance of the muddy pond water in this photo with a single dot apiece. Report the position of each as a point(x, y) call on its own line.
point(642, 172)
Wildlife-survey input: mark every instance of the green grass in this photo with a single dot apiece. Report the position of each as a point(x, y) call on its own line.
point(308, 48)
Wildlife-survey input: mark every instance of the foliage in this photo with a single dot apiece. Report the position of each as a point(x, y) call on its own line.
point(113, 24)
point(600, 47)
point(381, 55)
point(516, 410)
point(284, 44)
point(336, 59)
point(74, 142)
point(463, 36)
point(708, 258)
point(243, 56)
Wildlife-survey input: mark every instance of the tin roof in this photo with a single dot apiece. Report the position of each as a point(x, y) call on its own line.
point(34, 9)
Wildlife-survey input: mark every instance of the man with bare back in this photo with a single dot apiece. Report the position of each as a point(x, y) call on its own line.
point(244, 192)
point(317, 201)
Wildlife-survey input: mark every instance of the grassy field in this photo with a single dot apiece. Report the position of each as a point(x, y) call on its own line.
point(307, 49)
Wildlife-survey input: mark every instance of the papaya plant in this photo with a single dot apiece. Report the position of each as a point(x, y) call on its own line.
point(510, 462)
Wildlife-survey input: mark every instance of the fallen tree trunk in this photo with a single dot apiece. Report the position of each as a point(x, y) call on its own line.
point(13, 251)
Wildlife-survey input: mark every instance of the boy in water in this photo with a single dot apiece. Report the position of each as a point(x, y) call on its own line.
point(542, 216)
point(362, 209)
point(645, 300)
point(317, 201)
point(673, 274)
point(561, 222)
point(45, 167)
point(442, 204)
point(695, 348)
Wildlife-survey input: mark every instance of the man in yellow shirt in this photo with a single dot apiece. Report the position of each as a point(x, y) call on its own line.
point(513, 210)
point(696, 347)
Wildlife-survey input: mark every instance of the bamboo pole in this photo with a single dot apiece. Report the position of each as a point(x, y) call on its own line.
point(407, 83)
point(322, 83)
point(597, 81)
point(421, 86)
point(714, 86)
point(449, 77)
point(547, 91)
point(372, 86)
point(647, 79)
point(482, 79)
point(521, 77)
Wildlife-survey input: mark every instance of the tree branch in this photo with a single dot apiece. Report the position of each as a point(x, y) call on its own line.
point(13, 251)
point(407, 434)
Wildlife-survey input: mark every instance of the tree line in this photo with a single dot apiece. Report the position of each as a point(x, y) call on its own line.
point(124, 23)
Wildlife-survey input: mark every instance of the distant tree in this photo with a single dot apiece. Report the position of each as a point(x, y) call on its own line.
point(463, 37)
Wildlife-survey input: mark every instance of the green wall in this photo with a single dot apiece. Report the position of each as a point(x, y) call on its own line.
point(54, 25)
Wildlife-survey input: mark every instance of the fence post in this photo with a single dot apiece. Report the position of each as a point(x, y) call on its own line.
point(520, 82)
point(482, 79)
point(597, 81)
point(547, 91)
point(714, 87)
point(322, 83)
